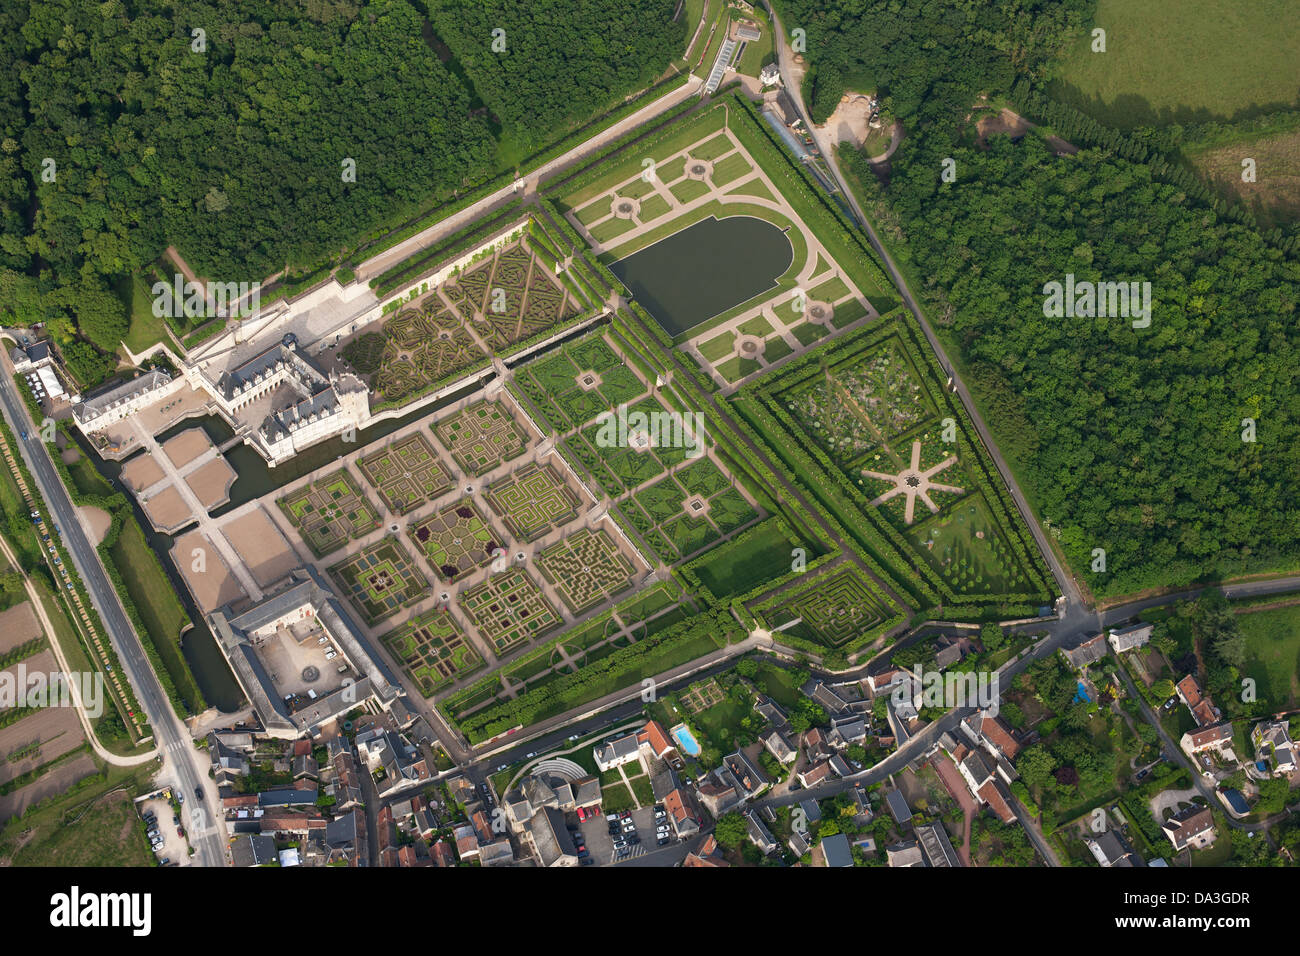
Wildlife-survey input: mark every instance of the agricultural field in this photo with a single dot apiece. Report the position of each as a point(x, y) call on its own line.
point(406, 473)
point(687, 510)
point(330, 512)
point(1183, 61)
point(456, 540)
point(1275, 195)
point(380, 581)
point(432, 649)
point(571, 386)
point(509, 610)
point(482, 437)
point(586, 568)
point(533, 500)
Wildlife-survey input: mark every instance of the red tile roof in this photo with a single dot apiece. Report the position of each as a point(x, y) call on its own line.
point(656, 737)
point(991, 795)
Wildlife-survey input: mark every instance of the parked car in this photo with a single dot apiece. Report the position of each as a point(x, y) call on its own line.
point(198, 793)
point(664, 841)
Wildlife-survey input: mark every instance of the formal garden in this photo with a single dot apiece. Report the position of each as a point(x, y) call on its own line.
point(406, 472)
point(586, 568)
point(457, 540)
point(509, 610)
point(330, 512)
point(380, 581)
point(432, 650)
point(833, 608)
point(533, 500)
point(482, 437)
point(570, 386)
point(686, 511)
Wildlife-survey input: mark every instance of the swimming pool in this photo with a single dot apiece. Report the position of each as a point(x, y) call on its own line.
point(686, 740)
point(1082, 694)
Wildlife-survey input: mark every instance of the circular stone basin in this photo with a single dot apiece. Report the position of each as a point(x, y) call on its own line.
point(310, 674)
point(749, 347)
point(913, 481)
point(698, 169)
point(455, 540)
point(625, 208)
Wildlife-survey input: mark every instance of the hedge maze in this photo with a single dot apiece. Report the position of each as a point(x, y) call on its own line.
point(533, 500)
point(432, 649)
point(586, 568)
point(407, 473)
point(482, 437)
point(833, 608)
point(330, 512)
point(456, 540)
point(380, 581)
point(509, 609)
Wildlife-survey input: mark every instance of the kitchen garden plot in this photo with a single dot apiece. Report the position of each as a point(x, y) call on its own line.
point(432, 650)
point(509, 610)
point(482, 437)
point(456, 540)
point(380, 581)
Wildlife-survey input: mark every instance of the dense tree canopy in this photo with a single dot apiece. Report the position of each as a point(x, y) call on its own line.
point(231, 128)
point(557, 61)
point(1130, 440)
point(926, 56)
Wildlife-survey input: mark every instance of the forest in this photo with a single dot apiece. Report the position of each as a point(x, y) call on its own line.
point(926, 56)
point(1131, 441)
point(230, 129)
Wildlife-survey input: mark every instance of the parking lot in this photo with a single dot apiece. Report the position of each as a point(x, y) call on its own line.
point(601, 843)
point(175, 847)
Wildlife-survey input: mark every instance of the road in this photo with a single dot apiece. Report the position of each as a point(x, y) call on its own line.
point(183, 765)
point(1077, 612)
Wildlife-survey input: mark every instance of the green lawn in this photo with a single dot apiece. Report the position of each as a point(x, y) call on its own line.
point(90, 827)
point(741, 565)
point(145, 329)
point(1273, 654)
point(1183, 60)
point(161, 610)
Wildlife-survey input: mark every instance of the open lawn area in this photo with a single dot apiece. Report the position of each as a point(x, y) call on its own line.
point(1183, 61)
point(1273, 654)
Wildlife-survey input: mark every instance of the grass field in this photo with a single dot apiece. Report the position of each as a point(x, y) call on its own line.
point(1183, 60)
point(91, 827)
point(1275, 195)
point(161, 610)
point(1273, 654)
point(739, 566)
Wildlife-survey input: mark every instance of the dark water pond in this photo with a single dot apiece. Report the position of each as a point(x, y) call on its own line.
point(705, 269)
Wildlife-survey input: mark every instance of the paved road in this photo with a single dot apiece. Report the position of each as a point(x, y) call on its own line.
point(183, 766)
